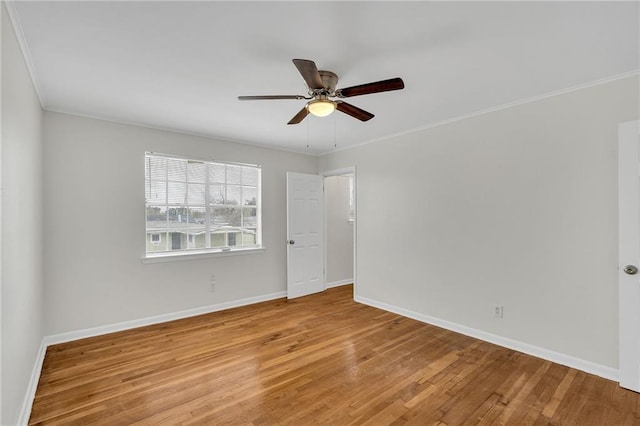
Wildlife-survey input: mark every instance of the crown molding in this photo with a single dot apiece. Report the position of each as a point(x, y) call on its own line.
point(24, 47)
point(210, 137)
point(593, 83)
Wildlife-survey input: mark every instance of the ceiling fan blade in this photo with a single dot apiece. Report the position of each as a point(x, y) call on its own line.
point(299, 116)
point(368, 88)
point(309, 72)
point(354, 111)
point(269, 97)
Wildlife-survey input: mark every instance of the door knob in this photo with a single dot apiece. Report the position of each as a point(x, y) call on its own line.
point(291, 242)
point(630, 269)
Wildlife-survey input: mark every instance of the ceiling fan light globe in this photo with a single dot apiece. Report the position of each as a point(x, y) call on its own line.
point(321, 107)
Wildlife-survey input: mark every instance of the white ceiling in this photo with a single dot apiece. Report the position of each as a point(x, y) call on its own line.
point(181, 65)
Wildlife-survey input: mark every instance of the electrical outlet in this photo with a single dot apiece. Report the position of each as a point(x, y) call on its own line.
point(498, 311)
point(212, 283)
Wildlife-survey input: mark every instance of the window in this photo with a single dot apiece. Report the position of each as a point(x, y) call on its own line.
point(201, 206)
point(352, 200)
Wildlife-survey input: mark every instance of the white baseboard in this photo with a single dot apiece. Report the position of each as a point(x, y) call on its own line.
point(127, 325)
point(339, 283)
point(549, 355)
point(27, 403)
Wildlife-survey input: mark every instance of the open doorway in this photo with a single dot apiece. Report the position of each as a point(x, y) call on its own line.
point(340, 227)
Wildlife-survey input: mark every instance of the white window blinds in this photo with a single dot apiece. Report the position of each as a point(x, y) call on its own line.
point(200, 205)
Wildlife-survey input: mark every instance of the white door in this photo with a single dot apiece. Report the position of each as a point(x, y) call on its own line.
point(305, 234)
point(629, 253)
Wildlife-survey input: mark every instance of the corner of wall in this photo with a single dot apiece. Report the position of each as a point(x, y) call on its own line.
point(21, 199)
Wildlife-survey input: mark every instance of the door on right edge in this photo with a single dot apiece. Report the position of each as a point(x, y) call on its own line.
point(629, 253)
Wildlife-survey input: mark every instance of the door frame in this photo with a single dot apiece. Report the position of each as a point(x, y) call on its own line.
point(337, 172)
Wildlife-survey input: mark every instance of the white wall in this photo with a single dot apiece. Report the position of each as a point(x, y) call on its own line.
point(339, 230)
point(21, 225)
point(516, 207)
point(94, 226)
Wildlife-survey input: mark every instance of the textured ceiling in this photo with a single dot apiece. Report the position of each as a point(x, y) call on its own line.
point(181, 65)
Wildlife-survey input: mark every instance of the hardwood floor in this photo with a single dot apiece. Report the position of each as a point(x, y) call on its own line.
point(321, 359)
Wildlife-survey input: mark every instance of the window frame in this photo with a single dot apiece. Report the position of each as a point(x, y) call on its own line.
point(208, 207)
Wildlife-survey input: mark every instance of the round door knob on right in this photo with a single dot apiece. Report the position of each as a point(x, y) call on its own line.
point(630, 269)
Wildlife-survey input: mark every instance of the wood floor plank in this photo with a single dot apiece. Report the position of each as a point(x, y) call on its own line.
point(316, 360)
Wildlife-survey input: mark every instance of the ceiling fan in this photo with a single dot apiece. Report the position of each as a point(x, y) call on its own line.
point(322, 87)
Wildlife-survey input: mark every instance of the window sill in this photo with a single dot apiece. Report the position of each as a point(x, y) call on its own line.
point(195, 255)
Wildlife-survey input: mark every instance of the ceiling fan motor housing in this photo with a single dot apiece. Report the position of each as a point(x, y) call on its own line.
point(329, 81)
